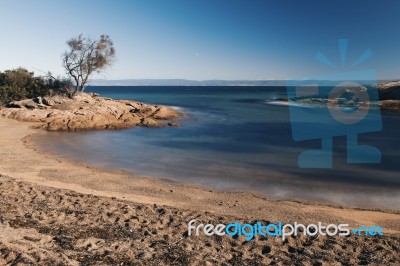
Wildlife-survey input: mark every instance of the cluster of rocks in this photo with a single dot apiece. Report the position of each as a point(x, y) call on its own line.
point(389, 98)
point(89, 111)
point(389, 91)
point(389, 95)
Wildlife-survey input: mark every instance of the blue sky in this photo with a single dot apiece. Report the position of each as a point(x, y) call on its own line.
point(200, 40)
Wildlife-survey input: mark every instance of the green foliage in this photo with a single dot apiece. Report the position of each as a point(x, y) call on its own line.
point(59, 86)
point(19, 84)
point(9, 93)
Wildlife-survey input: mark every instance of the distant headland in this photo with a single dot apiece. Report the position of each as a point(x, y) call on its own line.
point(211, 82)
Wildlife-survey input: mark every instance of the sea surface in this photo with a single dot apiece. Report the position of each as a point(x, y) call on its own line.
point(234, 138)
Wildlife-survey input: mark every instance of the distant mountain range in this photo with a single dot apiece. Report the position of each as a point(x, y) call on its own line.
point(186, 82)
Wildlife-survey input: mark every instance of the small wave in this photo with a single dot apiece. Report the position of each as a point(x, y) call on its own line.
point(288, 103)
point(176, 108)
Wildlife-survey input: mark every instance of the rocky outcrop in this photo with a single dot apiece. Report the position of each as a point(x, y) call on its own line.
point(89, 111)
point(389, 91)
point(389, 96)
point(390, 106)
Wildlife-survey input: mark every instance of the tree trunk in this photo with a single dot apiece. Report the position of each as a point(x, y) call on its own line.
point(83, 85)
point(71, 95)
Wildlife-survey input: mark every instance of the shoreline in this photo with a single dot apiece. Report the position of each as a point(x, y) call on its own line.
point(31, 143)
point(141, 181)
point(24, 166)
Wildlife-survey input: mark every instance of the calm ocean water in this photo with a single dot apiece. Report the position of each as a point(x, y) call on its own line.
point(233, 139)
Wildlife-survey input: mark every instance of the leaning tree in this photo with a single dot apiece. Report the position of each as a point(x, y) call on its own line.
point(85, 57)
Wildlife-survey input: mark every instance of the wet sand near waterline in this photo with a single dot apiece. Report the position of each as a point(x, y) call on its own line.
point(55, 211)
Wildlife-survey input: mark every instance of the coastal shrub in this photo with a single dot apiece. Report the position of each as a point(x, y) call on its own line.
point(62, 87)
point(20, 84)
point(9, 93)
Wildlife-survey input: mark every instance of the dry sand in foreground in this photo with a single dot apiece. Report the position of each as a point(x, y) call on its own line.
point(56, 212)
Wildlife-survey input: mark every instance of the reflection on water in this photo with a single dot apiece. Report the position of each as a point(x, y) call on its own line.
point(234, 140)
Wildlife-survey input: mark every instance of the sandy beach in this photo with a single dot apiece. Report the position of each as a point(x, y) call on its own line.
point(193, 133)
point(58, 212)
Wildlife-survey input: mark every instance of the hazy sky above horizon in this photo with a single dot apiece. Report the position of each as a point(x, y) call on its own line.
point(208, 39)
